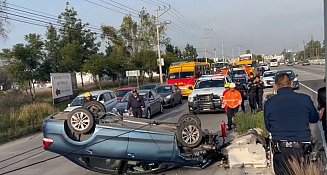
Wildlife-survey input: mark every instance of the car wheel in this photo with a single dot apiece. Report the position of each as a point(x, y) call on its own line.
point(148, 113)
point(189, 118)
point(161, 108)
point(80, 120)
point(96, 108)
point(189, 134)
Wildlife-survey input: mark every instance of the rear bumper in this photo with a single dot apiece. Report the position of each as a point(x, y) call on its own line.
point(215, 105)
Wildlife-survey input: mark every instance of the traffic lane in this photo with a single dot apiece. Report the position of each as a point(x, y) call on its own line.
point(319, 70)
point(302, 74)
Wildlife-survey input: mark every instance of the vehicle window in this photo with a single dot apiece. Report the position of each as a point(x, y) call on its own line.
point(121, 93)
point(181, 75)
point(289, 72)
point(239, 72)
point(113, 95)
point(135, 167)
point(269, 74)
point(126, 97)
point(107, 96)
point(164, 89)
point(103, 164)
point(209, 84)
point(78, 101)
point(101, 98)
point(147, 87)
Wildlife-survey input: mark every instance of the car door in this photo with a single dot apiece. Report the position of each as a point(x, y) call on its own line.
point(113, 100)
point(150, 146)
point(152, 104)
point(107, 99)
point(157, 100)
point(177, 94)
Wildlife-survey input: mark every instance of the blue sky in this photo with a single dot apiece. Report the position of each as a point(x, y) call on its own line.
point(263, 26)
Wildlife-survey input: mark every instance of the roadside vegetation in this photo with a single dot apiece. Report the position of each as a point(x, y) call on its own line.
point(246, 121)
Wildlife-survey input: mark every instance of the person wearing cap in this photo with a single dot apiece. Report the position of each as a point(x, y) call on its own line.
point(242, 89)
point(136, 102)
point(232, 100)
point(226, 89)
point(87, 97)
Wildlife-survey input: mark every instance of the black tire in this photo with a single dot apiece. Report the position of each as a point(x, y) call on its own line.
point(189, 118)
point(96, 108)
point(148, 113)
point(80, 120)
point(189, 134)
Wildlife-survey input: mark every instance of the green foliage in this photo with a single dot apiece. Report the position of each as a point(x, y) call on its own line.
point(246, 121)
point(247, 51)
point(190, 52)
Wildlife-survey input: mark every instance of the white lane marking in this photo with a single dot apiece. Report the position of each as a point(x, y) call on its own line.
point(308, 88)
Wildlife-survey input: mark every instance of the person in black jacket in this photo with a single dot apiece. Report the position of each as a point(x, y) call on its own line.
point(322, 108)
point(287, 116)
point(259, 91)
point(242, 89)
point(252, 94)
point(136, 102)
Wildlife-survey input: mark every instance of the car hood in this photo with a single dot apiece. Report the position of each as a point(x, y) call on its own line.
point(164, 94)
point(70, 108)
point(216, 91)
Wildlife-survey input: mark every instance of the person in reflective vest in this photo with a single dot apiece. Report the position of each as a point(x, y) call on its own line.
point(226, 89)
point(232, 100)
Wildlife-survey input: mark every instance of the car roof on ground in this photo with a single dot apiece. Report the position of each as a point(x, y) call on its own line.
point(94, 93)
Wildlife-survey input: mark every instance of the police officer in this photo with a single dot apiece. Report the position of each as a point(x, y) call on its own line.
point(136, 102)
point(259, 91)
point(287, 116)
point(242, 89)
point(252, 86)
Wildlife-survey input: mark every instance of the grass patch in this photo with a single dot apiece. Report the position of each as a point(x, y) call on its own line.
point(246, 121)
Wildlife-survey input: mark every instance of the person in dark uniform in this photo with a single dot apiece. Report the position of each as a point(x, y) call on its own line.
point(252, 86)
point(242, 89)
point(259, 92)
point(321, 99)
point(287, 116)
point(136, 102)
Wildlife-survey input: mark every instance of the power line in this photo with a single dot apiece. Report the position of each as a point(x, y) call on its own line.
point(117, 6)
point(94, 3)
point(149, 3)
point(123, 5)
point(18, 20)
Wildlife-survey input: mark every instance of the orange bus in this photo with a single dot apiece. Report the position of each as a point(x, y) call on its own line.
point(185, 74)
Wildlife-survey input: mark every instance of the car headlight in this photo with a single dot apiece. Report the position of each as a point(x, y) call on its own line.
point(295, 79)
point(168, 96)
point(190, 99)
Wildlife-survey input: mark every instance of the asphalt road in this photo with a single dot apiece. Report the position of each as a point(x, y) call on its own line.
point(11, 156)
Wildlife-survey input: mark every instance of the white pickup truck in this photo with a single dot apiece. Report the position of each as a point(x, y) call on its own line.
point(208, 94)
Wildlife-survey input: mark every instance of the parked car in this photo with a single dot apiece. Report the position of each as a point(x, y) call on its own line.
point(120, 93)
point(265, 66)
point(106, 97)
point(170, 94)
point(129, 145)
point(148, 87)
point(153, 104)
point(306, 63)
point(290, 63)
point(293, 76)
point(208, 94)
point(268, 78)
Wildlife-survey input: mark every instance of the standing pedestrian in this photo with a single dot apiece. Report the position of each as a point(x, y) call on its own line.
point(252, 86)
point(242, 89)
point(226, 89)
point(136, 102)
point(322, 108)
point(259, 92)
point(287, 116)
point(232, 100)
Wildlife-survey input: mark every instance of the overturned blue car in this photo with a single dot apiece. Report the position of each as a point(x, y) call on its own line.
point(106, 142)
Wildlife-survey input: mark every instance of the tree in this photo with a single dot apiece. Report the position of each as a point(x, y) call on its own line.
point(96, 66)
point(248, 51)
point(77, 43)
point(52, 48)
point(23, 63)
point(190, 52)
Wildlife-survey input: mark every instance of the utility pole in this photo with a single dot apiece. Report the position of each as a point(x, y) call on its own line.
point(222, 52)
point(159, 61)
point(206, 43)
point(303, 50)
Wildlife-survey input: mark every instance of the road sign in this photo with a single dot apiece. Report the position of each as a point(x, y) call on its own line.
point(162, 62)
point(133, 73)
point(64, 86)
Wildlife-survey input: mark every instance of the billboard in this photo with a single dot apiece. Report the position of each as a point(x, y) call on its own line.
point(64, 86)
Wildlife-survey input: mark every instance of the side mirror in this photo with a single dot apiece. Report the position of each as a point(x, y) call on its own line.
point(190, 88)
point(68, 105)
point(297, 75)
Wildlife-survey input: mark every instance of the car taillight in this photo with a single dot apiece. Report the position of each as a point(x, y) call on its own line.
point(47, 143)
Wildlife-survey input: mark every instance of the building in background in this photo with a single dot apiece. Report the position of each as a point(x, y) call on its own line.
point(279, 58)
